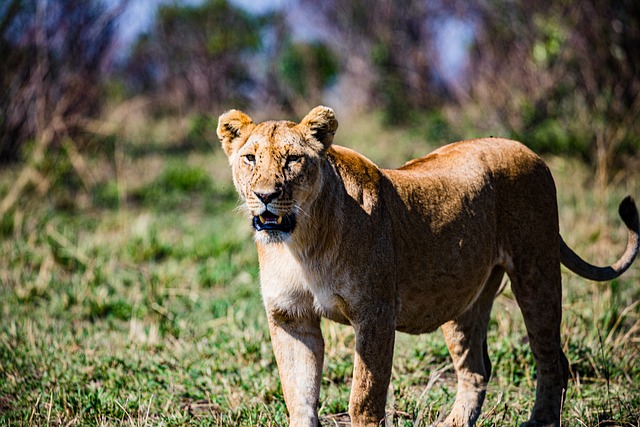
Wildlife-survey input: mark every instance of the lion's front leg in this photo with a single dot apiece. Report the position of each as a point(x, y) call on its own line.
point(372, 368)
point(299, 350)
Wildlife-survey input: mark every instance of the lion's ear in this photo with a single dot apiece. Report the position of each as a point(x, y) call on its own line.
point(233, 125)
point(321, 124)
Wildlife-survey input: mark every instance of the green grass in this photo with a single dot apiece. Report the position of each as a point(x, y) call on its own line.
point(136, 303)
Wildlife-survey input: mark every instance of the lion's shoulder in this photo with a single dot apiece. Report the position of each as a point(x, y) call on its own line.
point(360, 176)
point(354, 166)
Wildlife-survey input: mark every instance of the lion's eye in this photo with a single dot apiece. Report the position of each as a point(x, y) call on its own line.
point(293, 159)
point(250, 159)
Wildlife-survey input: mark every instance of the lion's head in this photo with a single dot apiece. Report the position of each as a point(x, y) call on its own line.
point(276, 166)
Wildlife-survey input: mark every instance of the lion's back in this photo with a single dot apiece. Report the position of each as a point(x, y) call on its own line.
point(495, 154)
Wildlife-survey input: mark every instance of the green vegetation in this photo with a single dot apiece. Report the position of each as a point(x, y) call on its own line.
point(306, 67)
point(134, 300)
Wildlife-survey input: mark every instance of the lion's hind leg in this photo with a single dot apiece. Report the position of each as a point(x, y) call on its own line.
point(466, 339)
point(538, 290)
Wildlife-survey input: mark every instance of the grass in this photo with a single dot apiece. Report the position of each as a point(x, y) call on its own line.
point(135, 302)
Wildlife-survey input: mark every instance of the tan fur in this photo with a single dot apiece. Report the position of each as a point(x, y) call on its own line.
point(405, 250)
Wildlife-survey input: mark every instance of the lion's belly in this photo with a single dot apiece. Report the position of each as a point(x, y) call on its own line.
point(430, 302)
point(425, 303)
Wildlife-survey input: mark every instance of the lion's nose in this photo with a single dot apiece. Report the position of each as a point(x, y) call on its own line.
point(266, 198)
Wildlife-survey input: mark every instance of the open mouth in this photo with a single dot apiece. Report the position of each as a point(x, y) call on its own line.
point(271, 222)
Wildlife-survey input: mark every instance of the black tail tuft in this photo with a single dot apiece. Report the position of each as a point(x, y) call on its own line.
point(629, 214)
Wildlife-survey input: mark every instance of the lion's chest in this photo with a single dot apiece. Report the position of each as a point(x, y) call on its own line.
point(328, 303)
point(301, 288)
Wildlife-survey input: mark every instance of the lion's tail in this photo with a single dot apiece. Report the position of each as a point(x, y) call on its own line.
point(629, 214)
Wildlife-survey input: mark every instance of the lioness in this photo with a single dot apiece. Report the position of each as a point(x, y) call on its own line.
point(404, 250)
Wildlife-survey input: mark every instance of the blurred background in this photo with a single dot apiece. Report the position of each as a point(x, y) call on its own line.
point(128, 278)
point(563, 76)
